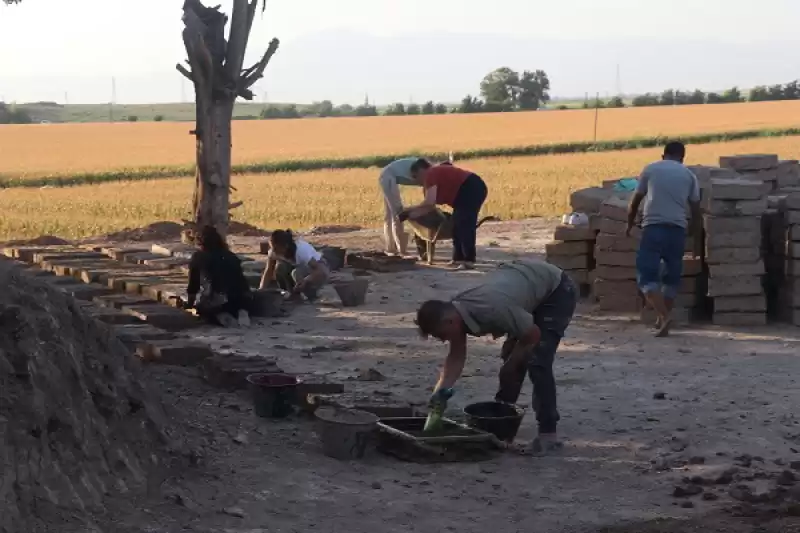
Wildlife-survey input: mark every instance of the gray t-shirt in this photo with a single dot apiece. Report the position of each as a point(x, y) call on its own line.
point(668, 187)
point(400, 170)
point(505, 302)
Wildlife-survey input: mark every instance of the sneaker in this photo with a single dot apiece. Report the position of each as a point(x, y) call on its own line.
point(244, 319)
point(226, 320)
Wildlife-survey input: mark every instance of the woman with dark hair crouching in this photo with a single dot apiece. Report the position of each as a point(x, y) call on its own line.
point(295, 266)
point(217, 287)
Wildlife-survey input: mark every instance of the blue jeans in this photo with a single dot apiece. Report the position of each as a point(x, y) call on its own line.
point(661, 242)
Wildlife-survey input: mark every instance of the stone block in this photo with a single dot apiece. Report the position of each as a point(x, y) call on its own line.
point(738, 189)
point(714, 224)
point(692, 266)
point(119, 253)
point(732, 270)
point(793, 217)
point(769, 175)
point(112, 316)
point(793, 233)
point(717, 256)
point(741, 239)
point(735, 208)
point(177, 352)
point(792, 267)
point(738, 286)
point(118, 301)
point(705, 174)
point(793, 250)
point(739, 319)
point(610, 288)
point(792, 201)
point(613, 273)
point(174, 249)
point(740, 304)
point(166, 262)
point(163, 317)
point(615, 227)
point(383, 407)
point(140, 258)
point(170, 294)
point(568, 248)
point(620, 259)
point(84, 291)
point(66, 255)
point(26, 253)
point(749, 162)
point(588, 200)
point(573, 262)
point(263, 247)
point(230, 371)
point(616, 243)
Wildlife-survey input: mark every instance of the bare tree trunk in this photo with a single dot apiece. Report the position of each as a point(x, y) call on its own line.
point(218, 77)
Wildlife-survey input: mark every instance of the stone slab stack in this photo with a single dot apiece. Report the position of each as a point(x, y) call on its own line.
point(788, 174)
point(572, 250)
point(733, 241)
point(755, 167)
point(773, 250)
point(790, 291)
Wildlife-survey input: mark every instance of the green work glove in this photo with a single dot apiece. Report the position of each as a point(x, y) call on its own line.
point(440, 398)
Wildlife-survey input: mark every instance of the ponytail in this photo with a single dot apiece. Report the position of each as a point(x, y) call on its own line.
point(285, 238)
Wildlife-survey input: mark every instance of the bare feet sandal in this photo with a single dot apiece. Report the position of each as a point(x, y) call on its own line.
point(663, 331)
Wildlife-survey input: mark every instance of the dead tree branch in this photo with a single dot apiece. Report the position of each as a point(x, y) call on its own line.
point(257, 70)
point(186, 72)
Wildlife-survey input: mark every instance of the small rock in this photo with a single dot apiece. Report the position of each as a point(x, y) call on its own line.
point(241, 438)
point(237, 512)
point(660, 396)
point(684, 350)
point(370, 374)
point(280, 347)
point(678, 445)
point(687, 505)
point(710, 497)
point(376, 485)
point(744, 460)
point(687, 491)
point(697, 460)
point(726, 477)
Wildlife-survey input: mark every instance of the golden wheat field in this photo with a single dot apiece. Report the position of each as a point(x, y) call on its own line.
point(518, 187)
point(66, 149)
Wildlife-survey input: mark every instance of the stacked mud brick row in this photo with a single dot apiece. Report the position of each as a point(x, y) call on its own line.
point(789, 293)
point(573, 251)
point(734, 209)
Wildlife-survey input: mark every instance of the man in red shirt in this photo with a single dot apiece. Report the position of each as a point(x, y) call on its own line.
point(462, 190)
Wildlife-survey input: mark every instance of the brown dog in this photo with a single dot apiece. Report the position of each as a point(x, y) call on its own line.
point(434, 227)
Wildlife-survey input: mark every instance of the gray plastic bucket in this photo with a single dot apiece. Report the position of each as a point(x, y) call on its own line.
point(345, 433)
point(352, 293)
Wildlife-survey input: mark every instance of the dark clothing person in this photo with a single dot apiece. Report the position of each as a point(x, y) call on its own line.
point(466, 207)
point(217, 285)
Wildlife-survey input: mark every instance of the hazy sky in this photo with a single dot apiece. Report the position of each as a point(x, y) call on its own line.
point(402, 50)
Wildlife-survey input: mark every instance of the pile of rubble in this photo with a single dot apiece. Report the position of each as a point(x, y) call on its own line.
point(742, 265)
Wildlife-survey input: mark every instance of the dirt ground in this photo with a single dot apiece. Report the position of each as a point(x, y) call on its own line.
point(729, 398)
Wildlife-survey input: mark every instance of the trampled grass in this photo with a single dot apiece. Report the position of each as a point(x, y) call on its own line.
point(519, 187)
point(70, 149)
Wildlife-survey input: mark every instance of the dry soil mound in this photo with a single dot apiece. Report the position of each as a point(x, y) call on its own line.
point(75, 422)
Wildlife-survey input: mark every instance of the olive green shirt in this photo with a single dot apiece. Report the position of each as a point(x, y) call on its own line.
point(504, 304)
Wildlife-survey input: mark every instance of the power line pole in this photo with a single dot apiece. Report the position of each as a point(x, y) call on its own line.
point(619, 82)
point(113, 99)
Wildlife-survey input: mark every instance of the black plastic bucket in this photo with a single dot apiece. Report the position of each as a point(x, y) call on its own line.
point(500, 419)
point(274, 395)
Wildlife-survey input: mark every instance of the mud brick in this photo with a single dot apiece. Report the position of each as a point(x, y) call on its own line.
point(738, 189)
point(769, 175)
point(138, 333)
point(26, 253)
point(565, 232)
point(311, 386)
point(587, 200)
point(40, 257)
point(574, 262)
point(620, 259)
point(166, 262)
point(685, 301)
point(732, 270)
point(175, 249)
point(733, 208)
point(793, 233)
point(112, 316)
point(177, 352)
point(616, 243)
point(230, 371)
point(170, 294)
point(714, 224)
point(717, 256)
point(568, 248)
point(749, 161)
point(792, 201)
point(119, 253)
point(792, 267)
point(741, 239)
point(793, 250)
point(581, 277)
point(621, 304)
point(615, 208)
point(58, 280)
point(140, 258)
point(137, 285)
point(118, 301)
point(615, 273)
point(615, 227)
point(738, 286)
point(611, 288)
point(162, 316)
point(740, 304)
point(69, 267)
point(380, 406)
point(84, 291)
point(692, 266)
point(739, 319)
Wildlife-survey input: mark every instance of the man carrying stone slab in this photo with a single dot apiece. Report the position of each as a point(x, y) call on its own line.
point(529, 302)
point(670, 193)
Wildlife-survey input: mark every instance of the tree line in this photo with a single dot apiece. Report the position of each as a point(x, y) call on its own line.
point(11, 114)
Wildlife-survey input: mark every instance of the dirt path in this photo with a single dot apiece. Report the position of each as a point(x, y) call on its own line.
point(725, 394)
